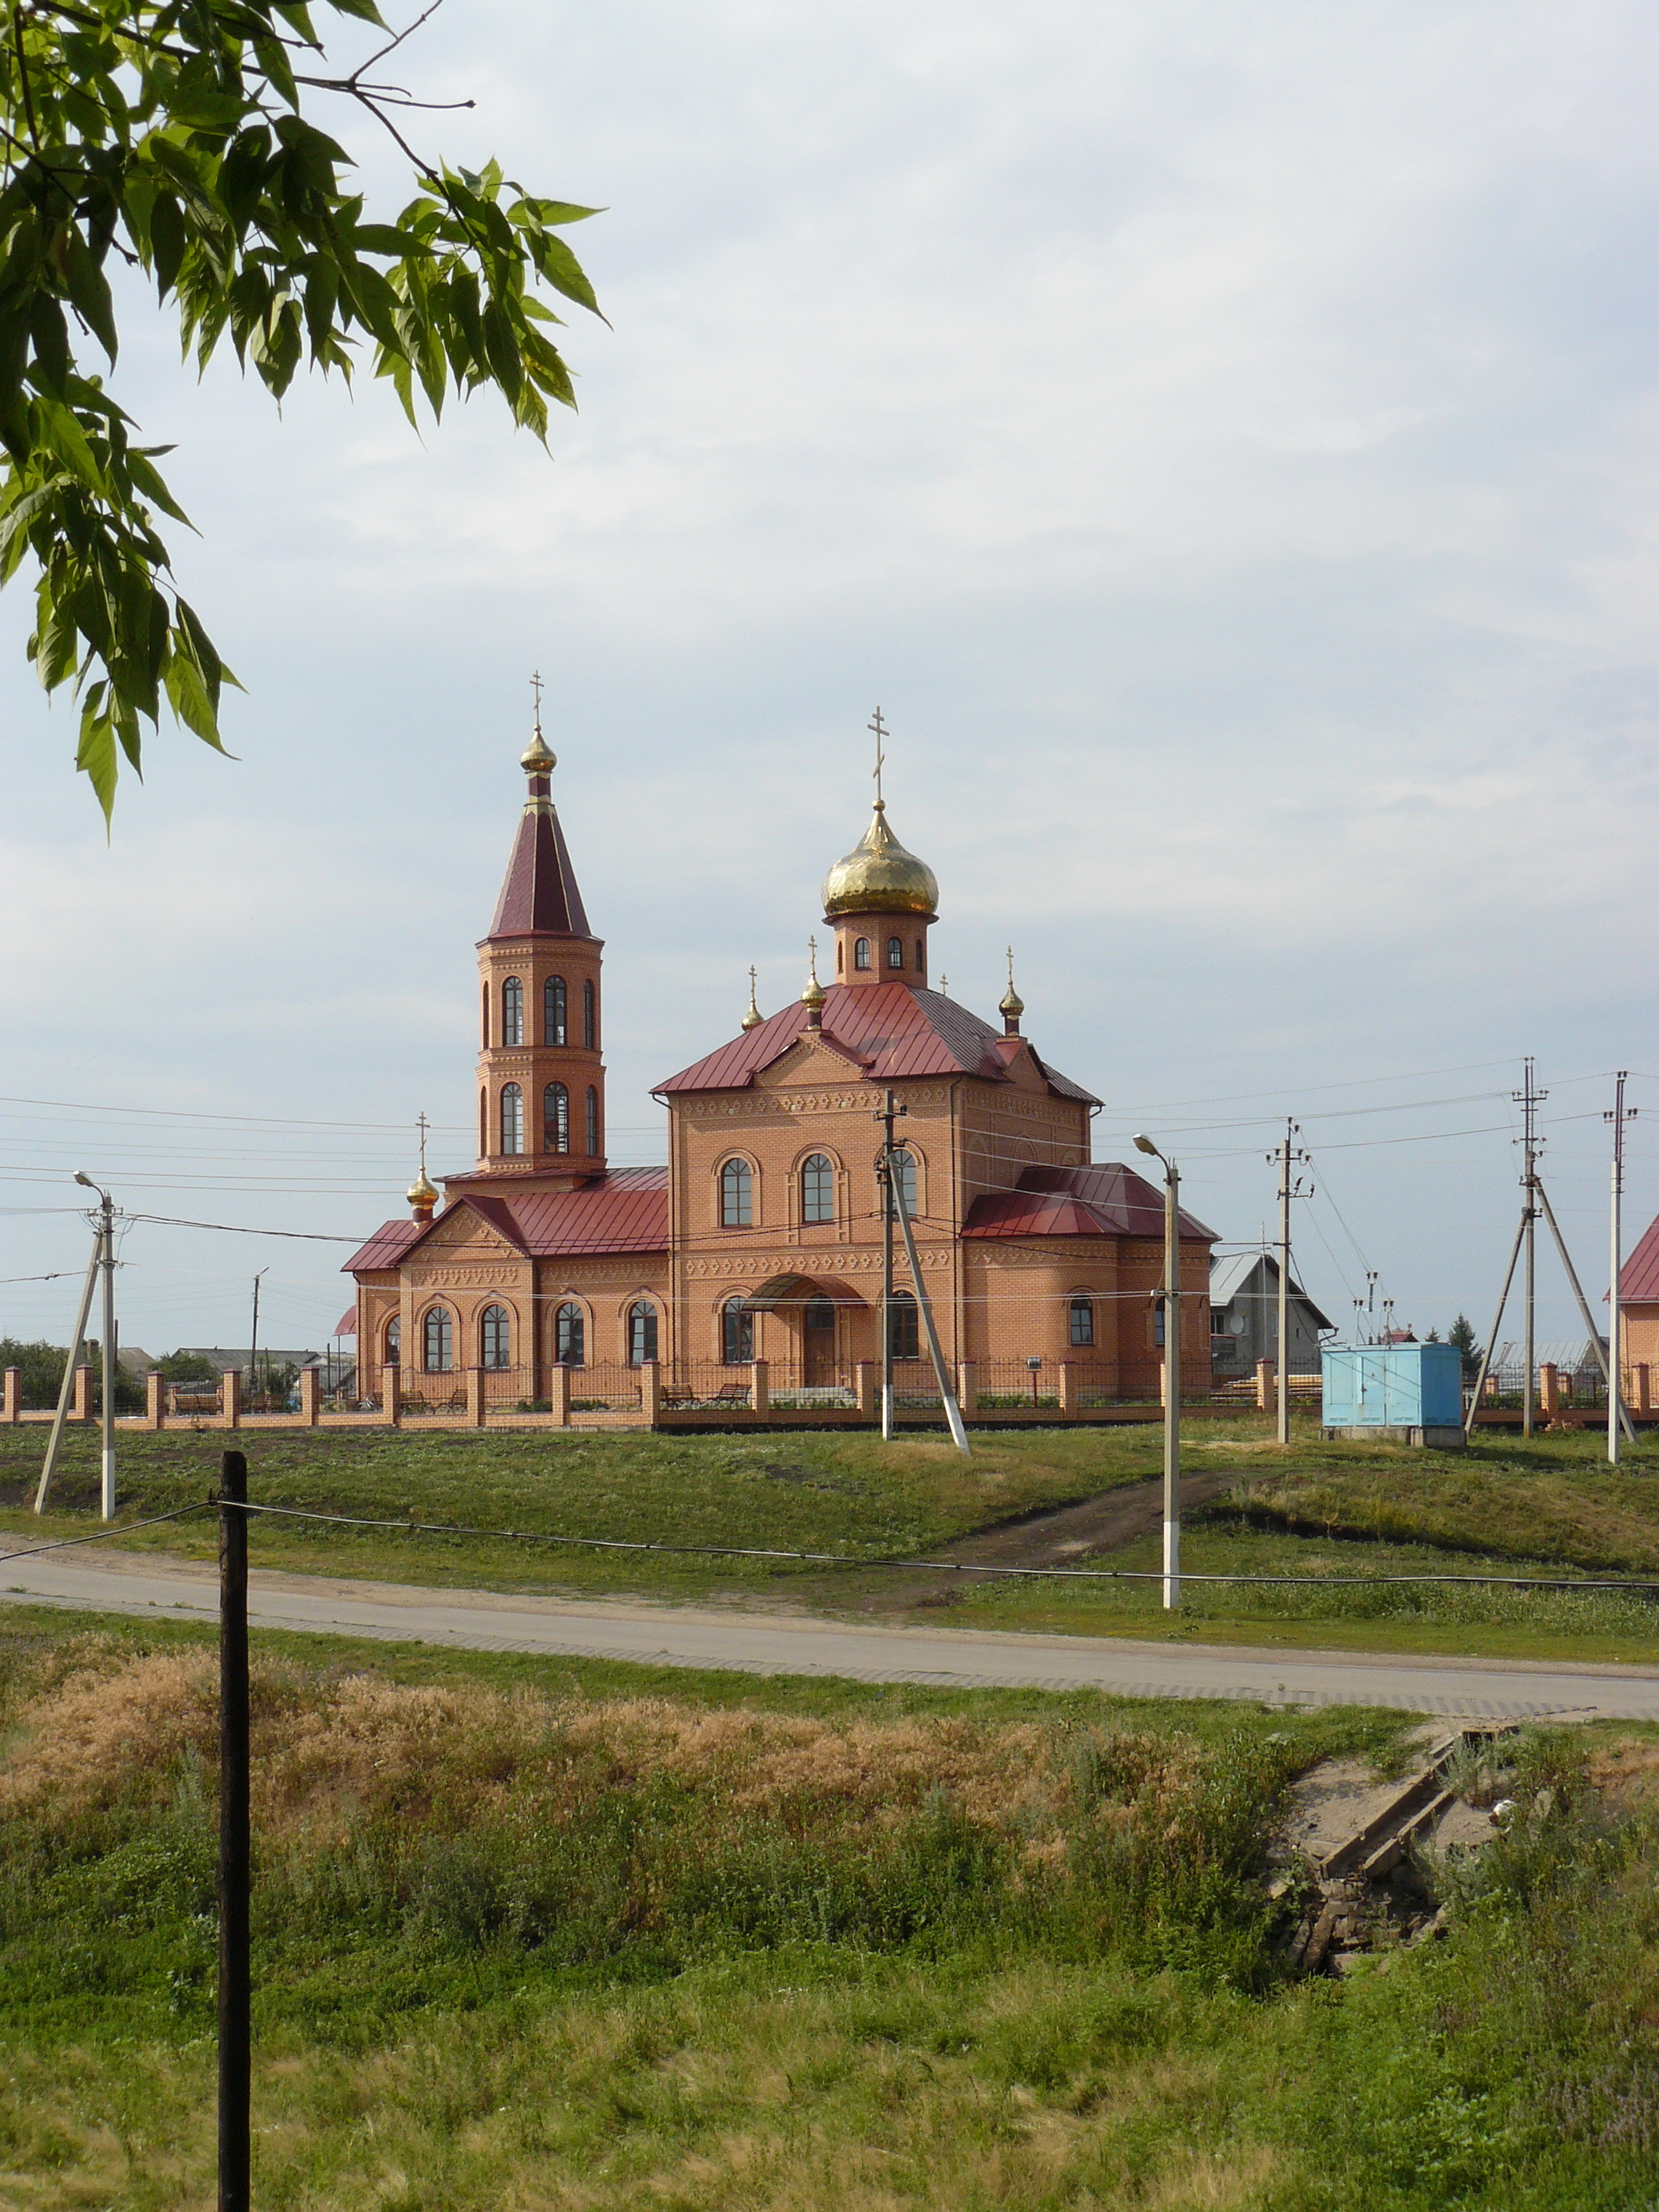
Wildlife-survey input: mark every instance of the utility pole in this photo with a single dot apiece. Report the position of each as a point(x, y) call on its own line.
point(1286, 1156)
point(1529, 1098)
point(1619, 1115)
point(1171, 1375)
point(887, 1114)
point(55, 1440)
point(253, 1345)
point(947, 1397)
point(235, 2025)
point(106, 1251)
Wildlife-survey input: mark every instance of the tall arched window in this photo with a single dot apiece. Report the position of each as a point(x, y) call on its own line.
point(589, 1017)
point(511, 1118)
point(394, 1341)
point(642, 1333)
point(555, 1119)
point(896, 953)
point(513, 1012)
point(818, 1189)
point(904, 1172)
point(1083, 1318)
point(483, 1123)
point(736, 1195)
point(861, 953)
point(494, 1338)
point(903, 1329)
point(554, 1002)
point(922, 956)
point(484, 1015)
point(593, 1129)
point(570, 1336)
point(438, 1340)
point(737, 1334)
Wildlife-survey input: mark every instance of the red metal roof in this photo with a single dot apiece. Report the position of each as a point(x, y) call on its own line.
point(539, 897)
point(1107, 1199)
point(888, 1030)
point(626, 1211)
point(346, 1324)
point(1638, 1278)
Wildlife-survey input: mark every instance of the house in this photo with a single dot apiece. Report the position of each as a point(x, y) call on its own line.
point(1244, 1318)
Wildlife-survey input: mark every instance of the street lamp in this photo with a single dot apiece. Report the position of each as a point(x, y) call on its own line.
point(1171, 1294)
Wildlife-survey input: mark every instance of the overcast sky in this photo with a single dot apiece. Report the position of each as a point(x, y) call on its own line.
point(1219, 436)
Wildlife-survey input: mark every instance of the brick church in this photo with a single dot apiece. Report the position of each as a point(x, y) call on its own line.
point(761, 1240)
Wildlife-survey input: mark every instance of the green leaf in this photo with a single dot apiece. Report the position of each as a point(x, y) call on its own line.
point(51, 335)
point(95, 757)
point(167, 237)
point(89, 294)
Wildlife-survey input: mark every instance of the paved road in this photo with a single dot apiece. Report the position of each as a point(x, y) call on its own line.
point(789, 1643)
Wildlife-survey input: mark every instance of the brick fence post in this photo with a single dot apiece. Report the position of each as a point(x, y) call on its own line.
point(760, 1392)
point(475, 1398)
point(1067, 1387)
point(968, 1387)
point(651, 1393)
point(1641, 1379)
point(11, 1406)
point(1266, 1386)
point(156, 1400)
point(311, 1396)
point(392, 1394)
point(1549, 1387)
point(561, 1394)
point(80, 1410)
point(230, 1397)
point(869, 1391)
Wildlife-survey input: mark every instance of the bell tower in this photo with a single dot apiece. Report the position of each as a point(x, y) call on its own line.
point(541, 1072)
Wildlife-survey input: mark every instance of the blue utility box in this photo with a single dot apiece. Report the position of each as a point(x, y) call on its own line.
point(1408, 1392)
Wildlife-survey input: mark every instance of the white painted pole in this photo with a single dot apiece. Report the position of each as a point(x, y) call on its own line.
point(1283, 1393)
point(953, 1411)
point(56, 1438)
point(1615, 1360)
point(107, 1245)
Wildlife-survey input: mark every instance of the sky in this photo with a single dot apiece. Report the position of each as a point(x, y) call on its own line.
point(1219, 437)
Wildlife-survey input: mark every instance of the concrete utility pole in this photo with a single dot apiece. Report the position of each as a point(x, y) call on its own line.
point(1619, 1115)
point(1286, 1156)
point(1171, 1295)
point(947, 1397)
point(106, 1248)
point(55, 1440)
point(887, 1114)
point(1529, 1098)
point(253, 1342)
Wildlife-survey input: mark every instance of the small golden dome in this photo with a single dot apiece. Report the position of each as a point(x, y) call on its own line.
point(421, 1191)
point(754, 1017)
point(1011, 1002)
point(538, 757)
point(879, 876)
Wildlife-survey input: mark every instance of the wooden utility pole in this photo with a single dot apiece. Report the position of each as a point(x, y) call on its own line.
point(55, 1439)
point(235, 1993)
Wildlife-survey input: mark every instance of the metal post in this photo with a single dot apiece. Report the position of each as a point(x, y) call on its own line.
point(106, 1247)
point(887, 1115)
point(1283, 1394)
point(1584, 1312)
point(253, 1347)
point(56, 1438)
point(236, 2045)
point(1616, 1355)
point(953, 1411)
point(1530, 1098)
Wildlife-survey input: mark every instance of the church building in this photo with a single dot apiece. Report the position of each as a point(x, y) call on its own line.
point(761, 1240)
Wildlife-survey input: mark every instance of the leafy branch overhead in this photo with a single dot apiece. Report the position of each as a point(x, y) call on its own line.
point(171, 135)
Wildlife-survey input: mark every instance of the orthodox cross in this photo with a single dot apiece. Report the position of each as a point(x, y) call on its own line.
point(536, 686)
point(422, 1125)
point(812, 957)
point(880, 730)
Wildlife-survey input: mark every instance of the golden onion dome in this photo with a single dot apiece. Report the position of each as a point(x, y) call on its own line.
point(538, 757)
point(421, 1191)
point(879, 876)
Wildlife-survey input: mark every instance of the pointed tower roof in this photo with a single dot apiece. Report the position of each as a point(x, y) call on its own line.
point(539, 897)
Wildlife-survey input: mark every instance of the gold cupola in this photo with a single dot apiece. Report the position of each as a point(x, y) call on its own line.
point(1012, 1006)
point(879, 876)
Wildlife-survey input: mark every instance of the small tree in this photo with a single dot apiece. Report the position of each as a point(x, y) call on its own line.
point(187, 1367)
point(41, 1366)
point(1462, 1334)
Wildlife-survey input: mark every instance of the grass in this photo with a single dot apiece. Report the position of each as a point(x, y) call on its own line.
point(536, 1935)
point(1503, 1507)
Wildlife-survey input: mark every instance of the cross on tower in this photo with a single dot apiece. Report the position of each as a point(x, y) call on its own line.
point(536, 686)
point(422, 1125)
point(880, 730)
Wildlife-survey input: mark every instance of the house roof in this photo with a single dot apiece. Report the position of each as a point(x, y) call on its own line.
point(539, 897)
point(1107, 1200)
point(626, 1211)
point(1638, 1278)
point(1229, 1275)
point(888, 1030)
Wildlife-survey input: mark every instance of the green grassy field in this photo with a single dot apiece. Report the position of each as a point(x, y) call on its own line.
point(533, 1935)
point(1328, 1510)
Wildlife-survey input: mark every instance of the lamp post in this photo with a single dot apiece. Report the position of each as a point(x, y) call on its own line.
point(107, 1261)
point(1171, 1375)
point(1035, 1365)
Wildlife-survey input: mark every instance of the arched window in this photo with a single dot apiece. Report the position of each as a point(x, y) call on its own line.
point(438, 1340)
point(737, 1334)
point(511, 1118)
point(1083, 1318)
point(555, 1119)
point(592, 1122)
point(903, 1330)
point(904, 1172)
point(1158, 1325)
point(642, 1333)
point(896, 953)
point(513, 1012)
point(570, 1336)
point(818, 1189)
point(483, 1123)
point(736, 1195)
point(922, 956)
point(484, 1014)
point(553, 1011)
point(394, 1341)
point(840, 956)
point(861, 953)
point(494, 1338)
point(589, 1017)
point(820, 1313)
